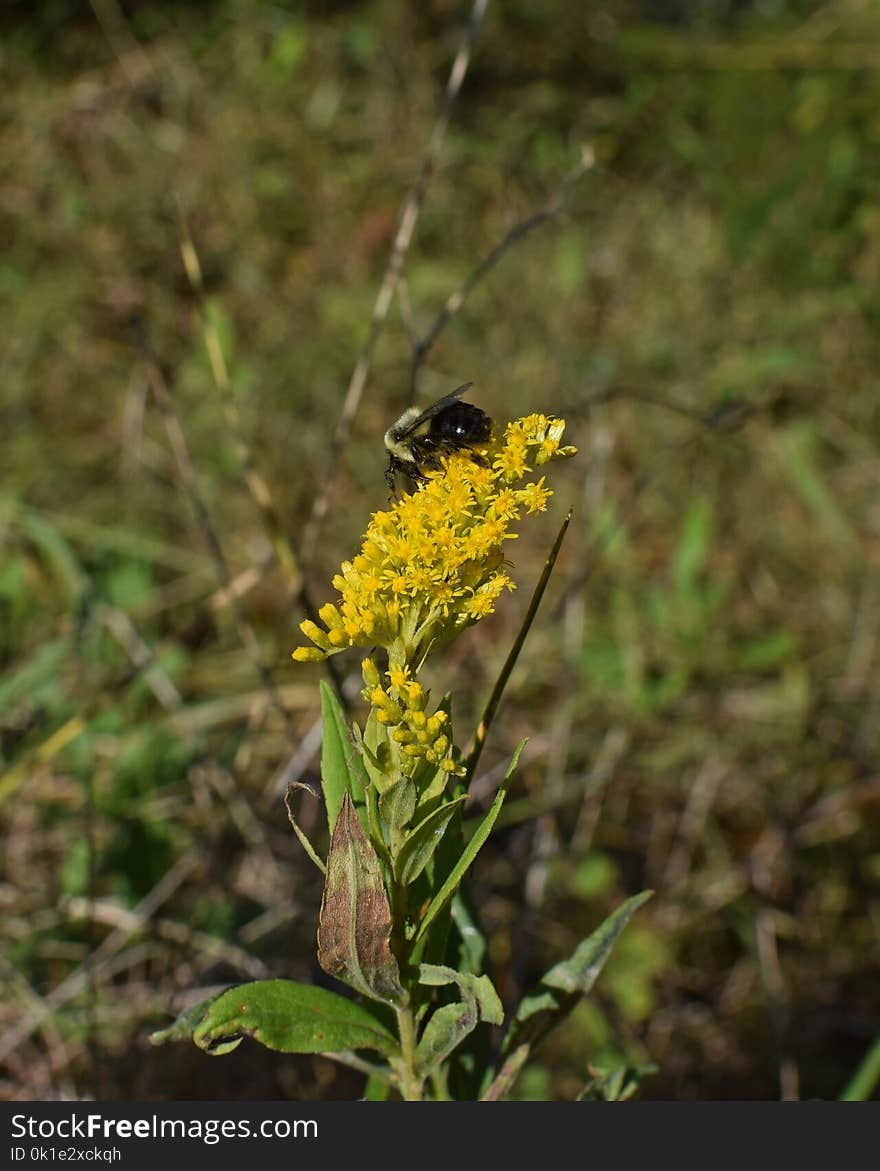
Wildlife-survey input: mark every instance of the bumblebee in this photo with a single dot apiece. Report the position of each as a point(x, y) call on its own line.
point(416, 442)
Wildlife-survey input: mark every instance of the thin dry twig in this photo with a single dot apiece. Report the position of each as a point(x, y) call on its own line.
point(209, 948)
point(309, 745)
point(257, 486)
point(701, 797)
point(140, 655)
point(778, 1005)
point(78, 980)
point(409, 215)
point(519, 231)
point(189, 480)
point(126, 48)
point(611, 752)
point(60, 1059)
point(113, 24)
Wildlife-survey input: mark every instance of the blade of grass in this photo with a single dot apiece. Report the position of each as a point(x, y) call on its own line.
point(864, 1081)
point(491, 708)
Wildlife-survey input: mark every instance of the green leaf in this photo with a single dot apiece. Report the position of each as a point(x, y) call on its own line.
point(354, 929)
point(763, 653)
point(58, 553)
point(342, 769)
point(376, 1090)
point(419, 846)
point(452, 1023)
point(432, 947)
point(289, 48)
point(444, 1032)
point(37, 676)
point(219, 323)
point(472, 942)
point(182, 1029)
point(291, 1018)
point(377, 753)
point(450, 886)
point(397, 805)
point(693, 546)
point(127, 542)
point(798, 452)
point(129, 584)
point(563, 986)
point(480, 987)
point(615, 1085)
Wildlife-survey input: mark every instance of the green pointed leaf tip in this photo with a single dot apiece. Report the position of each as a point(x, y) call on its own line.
point(579, 972)
point(342, 769)
point(565, 983)
point(290, 1018)
point(419, 846)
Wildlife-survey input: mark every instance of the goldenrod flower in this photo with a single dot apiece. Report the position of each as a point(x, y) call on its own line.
point(434, 563)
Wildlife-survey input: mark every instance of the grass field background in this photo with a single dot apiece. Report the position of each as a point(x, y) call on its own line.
point(198, 204)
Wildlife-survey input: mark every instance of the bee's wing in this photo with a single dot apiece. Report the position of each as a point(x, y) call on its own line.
point(436, 408)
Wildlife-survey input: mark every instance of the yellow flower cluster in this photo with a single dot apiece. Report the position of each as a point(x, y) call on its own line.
point(433, 563)
point(401, 709)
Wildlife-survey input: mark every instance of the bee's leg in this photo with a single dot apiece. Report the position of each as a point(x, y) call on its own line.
point(390, 480)
point(403, 467)
point(416, 475)
point(398, 467)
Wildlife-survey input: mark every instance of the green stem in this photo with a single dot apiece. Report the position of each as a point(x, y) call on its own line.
point(399, 944)
point(410, 1082)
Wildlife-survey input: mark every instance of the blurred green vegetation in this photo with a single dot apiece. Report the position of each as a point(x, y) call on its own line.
point(702, 688)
